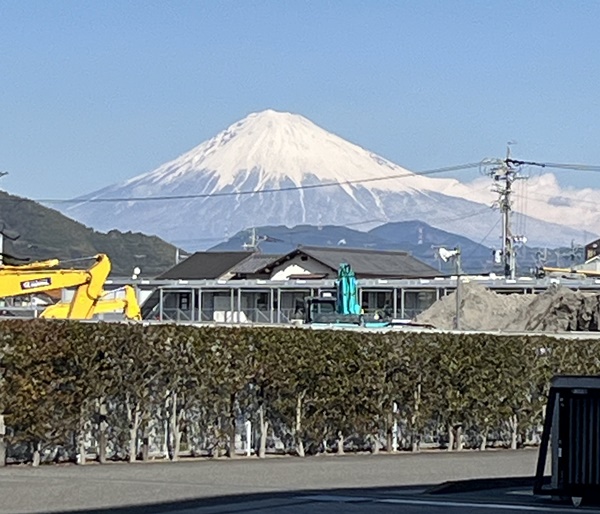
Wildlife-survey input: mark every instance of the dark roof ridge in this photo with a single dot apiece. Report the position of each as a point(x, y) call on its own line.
point(213, 266)
point(271, 258)
point(351, 249)
point(226, 252)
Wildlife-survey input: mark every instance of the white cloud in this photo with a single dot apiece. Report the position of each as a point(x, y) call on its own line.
point(543, 198)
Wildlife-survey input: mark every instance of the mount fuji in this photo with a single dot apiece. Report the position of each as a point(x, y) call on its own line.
point(270, 169)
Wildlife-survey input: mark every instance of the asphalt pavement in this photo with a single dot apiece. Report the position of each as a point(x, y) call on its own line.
point(313, 485)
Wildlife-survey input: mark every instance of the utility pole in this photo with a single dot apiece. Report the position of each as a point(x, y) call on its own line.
point(457, 261)
point(504, 176)
point(454, 255)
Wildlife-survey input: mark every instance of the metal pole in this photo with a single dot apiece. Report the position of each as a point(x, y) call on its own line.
point(506, 239)
point(395, 429)
point(200, 304)
point(160, 304)
point(458, 290)
point(278, 305)
point(248, 438)
point(402, 304)
point(193, 304)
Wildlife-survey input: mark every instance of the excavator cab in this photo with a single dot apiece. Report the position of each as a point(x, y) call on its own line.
point(324, 309)
point(343, 309)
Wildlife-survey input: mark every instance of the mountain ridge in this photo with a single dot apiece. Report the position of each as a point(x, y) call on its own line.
point(414, 236)
point(270, 168)
point(45, 233)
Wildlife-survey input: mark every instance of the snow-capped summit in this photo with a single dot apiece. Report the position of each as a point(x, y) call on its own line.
point(271, 146)
point(287, 153)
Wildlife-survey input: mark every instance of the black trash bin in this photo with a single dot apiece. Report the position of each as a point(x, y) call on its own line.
point(572, 430)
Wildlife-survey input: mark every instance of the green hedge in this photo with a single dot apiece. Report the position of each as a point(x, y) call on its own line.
point(64, 382)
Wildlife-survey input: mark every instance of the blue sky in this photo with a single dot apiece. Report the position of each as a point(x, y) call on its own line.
point(93, 93)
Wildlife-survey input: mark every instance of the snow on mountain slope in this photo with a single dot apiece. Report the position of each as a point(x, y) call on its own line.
point(274, 151)
point(271, 146)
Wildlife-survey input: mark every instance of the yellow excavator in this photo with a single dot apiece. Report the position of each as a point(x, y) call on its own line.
point(39, 277)
point(128, 305)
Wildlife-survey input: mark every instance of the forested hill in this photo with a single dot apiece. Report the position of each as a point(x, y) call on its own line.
point(45, 233)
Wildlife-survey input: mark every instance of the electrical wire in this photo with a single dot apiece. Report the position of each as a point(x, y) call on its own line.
point(520, 209)
point(478, 212)
point(559, 166)
point(258, 192)
point(480, 243)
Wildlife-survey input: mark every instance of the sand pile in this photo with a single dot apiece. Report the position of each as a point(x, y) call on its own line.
point(481, 309)
point(556, 310)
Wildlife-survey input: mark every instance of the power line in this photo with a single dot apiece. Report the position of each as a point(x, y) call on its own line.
point(220, 239)
point(559, 166)
point(261, 191)
point(472, 214)
point(466, 216)
point(483, 240)
point(505, 173)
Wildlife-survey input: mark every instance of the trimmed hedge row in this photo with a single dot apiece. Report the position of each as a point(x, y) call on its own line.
point(121, 390)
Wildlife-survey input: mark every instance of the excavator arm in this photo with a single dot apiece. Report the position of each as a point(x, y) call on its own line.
point(86, 295)
point(37, 278)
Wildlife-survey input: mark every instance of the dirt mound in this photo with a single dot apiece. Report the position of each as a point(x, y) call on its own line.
point(558, 309)
point(480, 309)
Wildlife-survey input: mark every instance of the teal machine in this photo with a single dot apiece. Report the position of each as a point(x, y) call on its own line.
point(344, 308)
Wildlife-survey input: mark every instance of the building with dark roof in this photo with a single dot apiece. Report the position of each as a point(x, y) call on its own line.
point(592, 250)
point(323, 262)
point(245, 287)
point(257, 266)
point(221, 266)
point(307, 262)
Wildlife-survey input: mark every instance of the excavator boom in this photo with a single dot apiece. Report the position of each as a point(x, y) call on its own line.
point(51, 263)
point(37, 278)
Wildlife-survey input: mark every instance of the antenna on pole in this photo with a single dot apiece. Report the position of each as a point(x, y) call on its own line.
point(254, 241)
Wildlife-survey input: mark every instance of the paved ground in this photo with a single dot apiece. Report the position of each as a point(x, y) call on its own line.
point(353, 484)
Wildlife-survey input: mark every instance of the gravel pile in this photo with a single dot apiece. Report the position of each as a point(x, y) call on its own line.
point(558, 309)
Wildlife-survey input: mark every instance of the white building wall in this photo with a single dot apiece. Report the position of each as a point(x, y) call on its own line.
point(297, 266)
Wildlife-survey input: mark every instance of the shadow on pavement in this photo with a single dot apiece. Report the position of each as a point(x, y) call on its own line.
point(216, 501)
point(512, 492)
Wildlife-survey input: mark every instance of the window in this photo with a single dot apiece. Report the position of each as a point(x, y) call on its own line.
point(184, 301)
